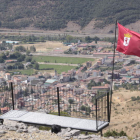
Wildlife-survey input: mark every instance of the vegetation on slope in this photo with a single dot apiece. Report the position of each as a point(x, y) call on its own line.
point(54, 14)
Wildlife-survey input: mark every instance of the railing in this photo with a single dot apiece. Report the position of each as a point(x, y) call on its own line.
point(59, 101)
point(102, 110)
point(5, 98)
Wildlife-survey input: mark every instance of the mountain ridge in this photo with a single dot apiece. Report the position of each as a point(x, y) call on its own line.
point(56, 14)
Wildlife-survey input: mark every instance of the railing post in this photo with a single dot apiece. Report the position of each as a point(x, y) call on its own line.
point(58, 101)
point(12, 95)
point(108, 112)
point(96, 116)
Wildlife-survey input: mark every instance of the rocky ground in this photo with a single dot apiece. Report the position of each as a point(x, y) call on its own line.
point(12, 130)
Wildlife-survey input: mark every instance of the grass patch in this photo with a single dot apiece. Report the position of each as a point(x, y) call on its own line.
point(47, 128)
point(114, 133)
point(62, 113)
point(58, 68)
point(68, 60)
point(24, 72)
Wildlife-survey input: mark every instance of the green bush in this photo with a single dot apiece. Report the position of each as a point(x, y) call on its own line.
point(47, 128)
point(114, 133)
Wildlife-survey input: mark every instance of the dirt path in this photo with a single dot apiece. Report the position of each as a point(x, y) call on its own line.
point(63, 64)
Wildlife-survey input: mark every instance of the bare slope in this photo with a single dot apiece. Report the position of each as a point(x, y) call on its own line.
point(125, 113)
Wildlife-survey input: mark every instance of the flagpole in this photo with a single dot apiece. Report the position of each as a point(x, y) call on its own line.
point(113, 69)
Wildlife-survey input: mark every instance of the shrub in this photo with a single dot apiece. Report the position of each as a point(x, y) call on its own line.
point(47, 128)
point(114, 133)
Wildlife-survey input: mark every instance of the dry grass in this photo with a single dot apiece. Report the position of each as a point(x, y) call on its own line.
point(125, 113)
point(48, 46)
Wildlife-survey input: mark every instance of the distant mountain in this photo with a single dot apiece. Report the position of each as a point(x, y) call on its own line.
point(55, 14)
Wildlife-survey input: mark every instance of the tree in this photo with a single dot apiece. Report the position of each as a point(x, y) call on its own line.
point(17, 54)
point(71, 101)
point(20, 48)
point(96, 39)
point(116, 87)
point(83, 108)
point(18, 65)
point(19, 59)
point(28, 59)
point(32, 49)
point(7, 53)
point(36, 66)
point(88, 39)
point(1, 60)
point(33, 61)
point(42, 39)
point(27, 52)
point(3, 56)
point(69, 38)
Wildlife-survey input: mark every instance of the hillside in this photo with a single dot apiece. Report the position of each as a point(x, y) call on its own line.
point(55, 14)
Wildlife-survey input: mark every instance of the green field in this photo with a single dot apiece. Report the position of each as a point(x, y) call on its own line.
point(58, 68)
point(68, 60)
point(26, 72)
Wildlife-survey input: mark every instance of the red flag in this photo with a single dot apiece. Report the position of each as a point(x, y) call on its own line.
point(128, 41)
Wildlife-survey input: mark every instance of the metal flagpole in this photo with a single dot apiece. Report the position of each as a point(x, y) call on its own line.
point(113, 69)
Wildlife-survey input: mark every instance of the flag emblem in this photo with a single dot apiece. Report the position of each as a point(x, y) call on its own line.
point(128, 41)
point(127, 38)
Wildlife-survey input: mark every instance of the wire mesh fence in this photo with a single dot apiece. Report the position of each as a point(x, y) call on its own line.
point(62, 101)
point(5, 98)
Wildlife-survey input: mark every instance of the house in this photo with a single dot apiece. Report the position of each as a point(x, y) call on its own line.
point(78, 91)
point(7, 76)
point(108, 62)
point(81, 76)
point(4, 110)
point(66, 77)
point(30, 78)
point(12, 42)
point(127, 62)
point(96, 73)
point(88, 64)
point(105, 87)
point(2, 66)
point(135, 80)
point(34, 82)
point(2, 74)
point(100, 48)
point(117, 83)
point(123, 71)
point(17, 81)
point(37, 81)
point(1, 80)
point(138, 72)
point(9, 83)
point(21, 103)
point(50, 82)
point(10, 61)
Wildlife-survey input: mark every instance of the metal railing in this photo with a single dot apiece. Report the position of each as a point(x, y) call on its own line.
point(62, 101)
point(102, 110)
point(5, 98)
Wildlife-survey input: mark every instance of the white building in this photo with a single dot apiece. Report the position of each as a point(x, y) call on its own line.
point(7, 76)
point(96, 73)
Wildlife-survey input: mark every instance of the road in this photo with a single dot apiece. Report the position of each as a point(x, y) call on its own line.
point(62, 64)
point(51, 33)
point(65, 55)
